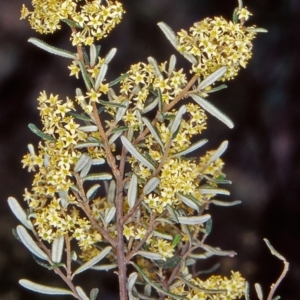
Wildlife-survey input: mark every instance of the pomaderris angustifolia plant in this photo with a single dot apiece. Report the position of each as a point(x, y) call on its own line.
point(147, 219)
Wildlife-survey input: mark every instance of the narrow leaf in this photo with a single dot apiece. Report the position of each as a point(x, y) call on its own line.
point(94, 293)
point(210, 79)
point(212, 110)
point(130, 282)
point(205, 191)
point(85, 76)
point(110, 55)
point(162, 235)
point(57, 249)
point(90, 194)
point(219, 252)
point(117, 80)
point(71, 23)
point(151, 185)
point(259, 291)
point(29, 243)
point(85, 170)
point(132, 191)
point(172, 64)
point(104, 267)
point(224, 203)
point(111, 212)
point(217, 153)
point(176, 240)
point(247, 295)
point(93, 55)
point(44, 289)
point(40, 133)
point(154, 64)
point(155, 285)
point(122, 110)
point(92, 261)
point(273, 251)
point(82, 161)
point(89, 128)
point(81, 293)
point(189, 201)
point(255, 29)
point(114, 137)
point(150, 106)
point(153, 131)
point(112, 104)
point(194, 220)
point(100, 76)
point(135, 153)
point(176, 122)
point(169, 33)
point(51, 49)
point(86, 145)
point(99, 176)
point(192, 148)
point(19, 212)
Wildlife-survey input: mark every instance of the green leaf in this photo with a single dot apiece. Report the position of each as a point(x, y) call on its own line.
point(71, 23)
point(169, 263)
point(82, 117)
point(208, 227)
point(51, 49)
point(217, 88)
point(155, 285)
point(149, 255)
point(85, 76)
point(40, 133)
point(117, 80)
point(176, 240)
point(121, 128)
point(112, 104)
point(43, 289)
point(235, 17)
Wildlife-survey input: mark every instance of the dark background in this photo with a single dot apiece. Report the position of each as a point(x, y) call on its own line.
point(262, 159)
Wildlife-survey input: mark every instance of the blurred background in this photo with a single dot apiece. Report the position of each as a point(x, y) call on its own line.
point(262, 160)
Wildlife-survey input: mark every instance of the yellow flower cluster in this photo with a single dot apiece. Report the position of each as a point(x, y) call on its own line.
point(234, 288)
point(142, 78)
point(55, 221)
point(93, 19)
point(216, 43)
point(55, 161)
point(57, 155)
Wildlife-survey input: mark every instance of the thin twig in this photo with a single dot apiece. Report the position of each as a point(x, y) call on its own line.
point(276, 284)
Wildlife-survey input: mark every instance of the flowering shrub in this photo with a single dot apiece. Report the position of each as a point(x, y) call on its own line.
point(150, 210)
